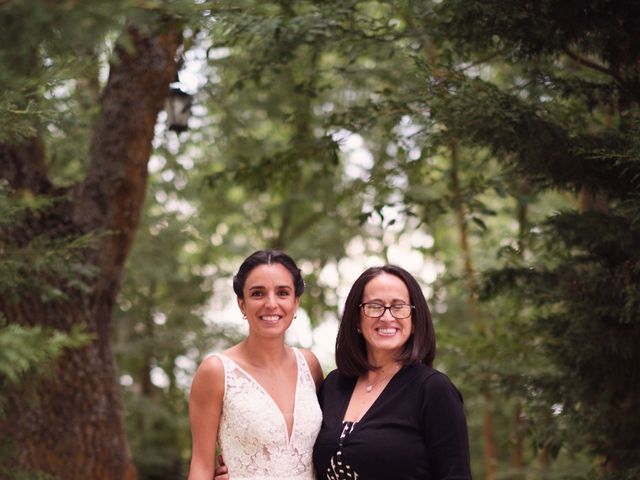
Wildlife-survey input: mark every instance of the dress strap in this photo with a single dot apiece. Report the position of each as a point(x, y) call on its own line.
point(228, 366)
point(227, 363)
point(304, 371)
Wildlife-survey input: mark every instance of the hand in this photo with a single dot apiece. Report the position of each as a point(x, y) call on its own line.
point(221, 472)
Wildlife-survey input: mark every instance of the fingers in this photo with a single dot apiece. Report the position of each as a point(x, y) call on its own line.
point(221, 472)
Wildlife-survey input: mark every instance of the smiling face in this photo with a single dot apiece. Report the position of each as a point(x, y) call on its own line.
point(385, 336)
point(269, 300)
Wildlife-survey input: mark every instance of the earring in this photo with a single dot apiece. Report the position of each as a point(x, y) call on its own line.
point(359, 331)
point(244, 316)
point(295, 316)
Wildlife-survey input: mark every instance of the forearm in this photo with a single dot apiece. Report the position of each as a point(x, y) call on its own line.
point(201, 470)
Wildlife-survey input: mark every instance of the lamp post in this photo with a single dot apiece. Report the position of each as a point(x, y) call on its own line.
point(178, 107)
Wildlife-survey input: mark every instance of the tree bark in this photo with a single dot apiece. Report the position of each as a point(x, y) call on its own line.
point(592, 202)
point(517, 453)
point(517, 441)
point(488, 436)
point(461, 222)
point(74, 427)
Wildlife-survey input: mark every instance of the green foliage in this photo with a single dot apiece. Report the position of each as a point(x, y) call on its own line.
point(8, 452)
point(564, 116)
point(481, 121)
point(588, 321)
point(26, 352)
point(158, 434)
point(38, 265)
point(530, 31)
point(41, 46)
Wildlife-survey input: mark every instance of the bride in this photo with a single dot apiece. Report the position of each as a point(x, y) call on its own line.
point(258, 398)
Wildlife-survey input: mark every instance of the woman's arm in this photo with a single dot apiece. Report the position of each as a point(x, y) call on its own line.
point(205, 408)
point(446, 430)
point(314, 367)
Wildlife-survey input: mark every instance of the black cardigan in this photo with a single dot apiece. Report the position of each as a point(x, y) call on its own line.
point(416, 428)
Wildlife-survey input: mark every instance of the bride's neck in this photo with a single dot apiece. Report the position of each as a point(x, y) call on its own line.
point(264, 353)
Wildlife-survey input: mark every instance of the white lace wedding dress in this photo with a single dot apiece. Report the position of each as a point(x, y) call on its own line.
point(253, 434)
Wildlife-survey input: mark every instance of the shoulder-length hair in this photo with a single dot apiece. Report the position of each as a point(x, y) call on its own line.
point(351, 349)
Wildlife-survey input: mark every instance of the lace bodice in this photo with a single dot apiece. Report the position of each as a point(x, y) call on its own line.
point(253, 433)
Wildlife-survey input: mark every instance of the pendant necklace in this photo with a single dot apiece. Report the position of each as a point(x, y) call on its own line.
point(370, 386)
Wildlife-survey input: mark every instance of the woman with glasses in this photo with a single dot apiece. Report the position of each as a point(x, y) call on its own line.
point(386, 412)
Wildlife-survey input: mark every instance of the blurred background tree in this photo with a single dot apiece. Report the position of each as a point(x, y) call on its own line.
point(72, 425)
point(491, 149)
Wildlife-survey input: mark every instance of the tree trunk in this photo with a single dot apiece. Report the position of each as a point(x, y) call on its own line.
point(73, 429)
point(544, 457)
point(461, 223)
point(592, 202)
point(517, 441)
point(488, 436)
point(517, 454)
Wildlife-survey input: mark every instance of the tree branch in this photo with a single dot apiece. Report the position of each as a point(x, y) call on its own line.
point(23, 166)
point(593, 65)
point(112, 194)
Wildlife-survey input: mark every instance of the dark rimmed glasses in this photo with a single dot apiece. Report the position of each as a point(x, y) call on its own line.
point(376, 310)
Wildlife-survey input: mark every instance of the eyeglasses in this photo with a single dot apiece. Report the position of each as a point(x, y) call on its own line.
point(376, 310)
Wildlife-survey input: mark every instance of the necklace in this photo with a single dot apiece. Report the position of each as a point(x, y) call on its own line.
point(371, 386)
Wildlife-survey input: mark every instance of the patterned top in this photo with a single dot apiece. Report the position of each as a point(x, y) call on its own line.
point(415, 429)
point(253, 435)
point(338, 468)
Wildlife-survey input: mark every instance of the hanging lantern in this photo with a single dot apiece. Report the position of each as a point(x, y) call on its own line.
point(178, 107)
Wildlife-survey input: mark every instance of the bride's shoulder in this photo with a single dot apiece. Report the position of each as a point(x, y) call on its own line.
point(208, 383)
point(210, 369)
point(314, 365)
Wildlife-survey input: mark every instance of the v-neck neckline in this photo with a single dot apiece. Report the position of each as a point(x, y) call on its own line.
point(365, 415)
point(288, 435)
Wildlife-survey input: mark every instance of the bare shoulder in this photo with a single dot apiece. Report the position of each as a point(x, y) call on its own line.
point(314, 366)
point(212, 365)
point(209, 378)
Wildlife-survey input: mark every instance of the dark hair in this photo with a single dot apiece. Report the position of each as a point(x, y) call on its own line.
point(267, 257)
point(351, 350)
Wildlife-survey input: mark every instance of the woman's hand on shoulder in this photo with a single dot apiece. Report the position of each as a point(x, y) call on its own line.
point(314, 367)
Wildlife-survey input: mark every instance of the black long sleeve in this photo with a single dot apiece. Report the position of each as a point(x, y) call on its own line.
point(416, 429)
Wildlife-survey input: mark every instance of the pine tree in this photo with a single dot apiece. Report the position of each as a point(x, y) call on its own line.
point(564, 115)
